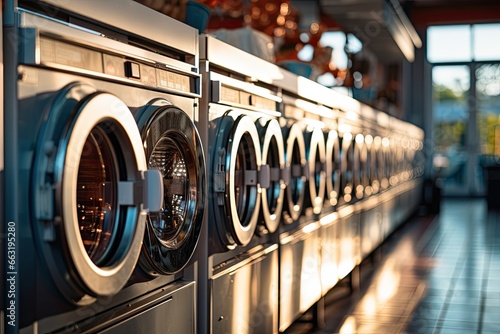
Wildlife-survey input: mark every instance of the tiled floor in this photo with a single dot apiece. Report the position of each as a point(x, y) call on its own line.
point(435, 275)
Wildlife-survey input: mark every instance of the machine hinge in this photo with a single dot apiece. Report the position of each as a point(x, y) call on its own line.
point(320, 166)
point(148, 191)
point(285, 174)
point(297, 171)
point(45, 197)
point(45, 212)
point(220, 177)
point(306, 171)
point(274, 174)
point(265, 176)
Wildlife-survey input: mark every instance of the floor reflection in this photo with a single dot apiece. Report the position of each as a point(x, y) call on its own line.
point(435, 275)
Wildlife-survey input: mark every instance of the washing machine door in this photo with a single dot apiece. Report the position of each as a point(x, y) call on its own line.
point(386, 163)
point(363, 175)
point(315, 155)
point(349, 167)
point(236, 179)
point(295, 164)
point(273, 157)
point(173, 146)
point(377, 165)
point(390, 162)
point(90, 192)
point(332, 167)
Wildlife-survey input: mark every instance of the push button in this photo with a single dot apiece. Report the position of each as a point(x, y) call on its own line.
point(132, 70)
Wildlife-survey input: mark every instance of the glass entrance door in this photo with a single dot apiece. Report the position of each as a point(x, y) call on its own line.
point(487, 102)
point(451, 110)
point(466, 104)
point(466, 109)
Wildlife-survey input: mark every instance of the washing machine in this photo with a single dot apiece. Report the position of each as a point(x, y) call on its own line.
point(329, 216)
point(349, 206)
point(371, 218)
point(245, 154)
point(111, 182)
point(408, 175)
point(300, 233)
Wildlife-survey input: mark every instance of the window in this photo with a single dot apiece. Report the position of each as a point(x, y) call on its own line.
point(463, 43)
point(486, 41)
point(449, 44)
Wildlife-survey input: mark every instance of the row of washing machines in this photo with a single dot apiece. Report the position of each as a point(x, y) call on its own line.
point(155, 180)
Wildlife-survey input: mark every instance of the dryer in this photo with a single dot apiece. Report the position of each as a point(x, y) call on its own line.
point(247, 179)
point(111, 168)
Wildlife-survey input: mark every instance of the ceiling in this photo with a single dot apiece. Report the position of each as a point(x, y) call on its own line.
point(381, 25)
point(389, 27)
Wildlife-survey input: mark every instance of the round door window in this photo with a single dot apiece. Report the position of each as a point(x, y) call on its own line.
point(350, 168)
point(236, 167)
point(295, 162)
point(361, 175)
point(88, 202)
point(378, 164)
point(95, 199)
point(332, 167)
point(243, 190)
point(168, 157)
point(173, 146)
point(273, 155)
point(316, 161)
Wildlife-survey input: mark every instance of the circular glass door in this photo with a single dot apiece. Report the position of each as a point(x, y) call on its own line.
point(236, 166)
point(361, 179)
point(350, 167)
point(295, 162)
point(398, 154)
point(273, 155)
point(369, 174)
point(172, 145)
point(88, 202)
point(386, 163)
point(315, 155)
point(332, 167)
point(378, 164)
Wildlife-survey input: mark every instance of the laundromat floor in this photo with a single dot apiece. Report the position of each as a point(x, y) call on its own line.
point(436, 274)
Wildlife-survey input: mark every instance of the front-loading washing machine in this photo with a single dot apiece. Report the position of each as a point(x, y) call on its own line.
point(406, 139)
point(111, 181)
point(329, 216)
point(300, 233)
point(371, 218)
point(246, 181)
point(351, 190)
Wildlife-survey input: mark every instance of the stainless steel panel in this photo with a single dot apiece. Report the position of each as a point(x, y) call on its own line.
point(232, 58)
point(349, 243)
point(329, 253)
point(123, 15)
point(371, 230)
point(174, 314)
point(300, 273)
point(164, 73)
point(246, 300)
point(388, 215)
